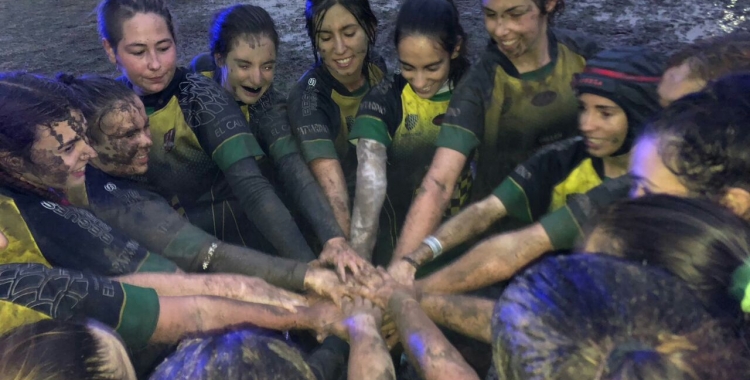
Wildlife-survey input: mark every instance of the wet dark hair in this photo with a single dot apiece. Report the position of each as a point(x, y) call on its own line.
point(715, 57)
point(96, 96)
point(703, 137)
point(559, 7)
point(113, 13)
point(53, 349)
point(315, 12)
point(598, 317)
point(250, 352)
point(240, 21)
point(699, 241)
point(27, 102)
point(438, 20)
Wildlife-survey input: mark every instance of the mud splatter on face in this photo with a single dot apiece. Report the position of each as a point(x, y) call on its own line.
point(122, 139)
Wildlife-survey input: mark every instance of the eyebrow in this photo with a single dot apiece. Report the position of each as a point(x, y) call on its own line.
point(69, 143)
point(349, 26)
point(269, 62)
point(140, 44)
point(605, 108)
point(427, 65)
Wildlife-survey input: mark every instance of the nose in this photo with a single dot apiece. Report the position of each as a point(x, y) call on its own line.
point(500, 29)
point(154, 63)
point(339, 47)
point(420, 81)
point(586, 122)
point(256, 77)
point(144, 139)
point(88, 153)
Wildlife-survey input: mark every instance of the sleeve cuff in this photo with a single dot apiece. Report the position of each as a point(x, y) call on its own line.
point(157, 264)
point(562, 228)
point(283, 147)
point(514, 200)
point(372, 128)
point(457, 138)
point(313, 150)
point(236, 148)
point(138, 316)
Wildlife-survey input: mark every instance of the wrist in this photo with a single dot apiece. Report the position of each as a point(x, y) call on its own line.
point(361, 322)
point(336, 240)
point(398, 297)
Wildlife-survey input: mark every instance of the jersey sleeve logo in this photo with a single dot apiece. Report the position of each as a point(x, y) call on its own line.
point(169, 140)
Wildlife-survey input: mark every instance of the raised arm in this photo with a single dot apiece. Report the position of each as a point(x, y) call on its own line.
point(371, 188)
point(430, 203)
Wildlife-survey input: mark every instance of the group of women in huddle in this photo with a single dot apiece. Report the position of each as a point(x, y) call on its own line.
point(176, 205)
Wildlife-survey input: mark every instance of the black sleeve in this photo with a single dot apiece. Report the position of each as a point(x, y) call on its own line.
point(266, 211)
point(314, 119)
point(586, 207)
point(285, 273)
point(308, 196)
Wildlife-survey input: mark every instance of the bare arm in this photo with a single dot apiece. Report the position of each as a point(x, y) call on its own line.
point(369, 357)
point(426, 346)
point(430, 204)
point(495, 259)
point(372, 184)
point(237, 287)
point(331, 178)
point(470, 316)
point(181, 316)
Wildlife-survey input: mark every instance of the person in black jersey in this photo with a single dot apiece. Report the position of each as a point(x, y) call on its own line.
point(324, 102)
point(204, 155)
point(398, 123)
point(244, 44)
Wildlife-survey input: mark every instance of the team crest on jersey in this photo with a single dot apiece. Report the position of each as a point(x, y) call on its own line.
point(411, 121)
point(169, 140)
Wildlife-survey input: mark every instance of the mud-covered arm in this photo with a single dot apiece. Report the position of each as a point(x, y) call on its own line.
point(369, 357)
point(237, 287)
point(470, 316)
point(266, 211)
point(370, 194)
point(494, 259)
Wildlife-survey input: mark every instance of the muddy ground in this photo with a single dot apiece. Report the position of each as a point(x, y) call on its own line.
point(48, 36)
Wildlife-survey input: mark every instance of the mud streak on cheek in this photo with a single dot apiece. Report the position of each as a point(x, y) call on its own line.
point(49, 168)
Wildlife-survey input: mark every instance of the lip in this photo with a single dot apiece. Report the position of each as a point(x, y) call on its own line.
point(80, 173)
point(343, 65)
point(423, 92)
point(143, 160)
point(156, 79)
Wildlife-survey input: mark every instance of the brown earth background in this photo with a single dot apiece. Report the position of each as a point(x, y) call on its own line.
point(50, 36)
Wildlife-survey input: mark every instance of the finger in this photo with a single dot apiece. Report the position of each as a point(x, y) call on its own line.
point(341, 269)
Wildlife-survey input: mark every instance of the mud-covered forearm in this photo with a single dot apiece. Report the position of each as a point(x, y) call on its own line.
point(288, 274)
point(308, 196)
point(495, 259)
point(426, 346)
point(369, 357)
point(470, 316)
point(264, 208)
point(330, 177)
point(370, 193)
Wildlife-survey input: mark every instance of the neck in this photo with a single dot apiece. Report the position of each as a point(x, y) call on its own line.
point(616, 166)
point(535, 58)
point(351, 82)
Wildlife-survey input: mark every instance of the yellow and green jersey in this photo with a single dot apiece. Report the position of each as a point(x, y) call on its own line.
point(322, 112)
point(56, 235)
point(505, 116)
point(395, 116)
point(198, 132)
point(30, 293)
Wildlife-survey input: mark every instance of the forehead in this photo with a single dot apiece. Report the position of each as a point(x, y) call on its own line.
point(420, 48)
point(53, 135)
point(145, 28)
point(337, 17)
point(125, 114)
point(503, 5)
point(252, 47)
point(596, 100)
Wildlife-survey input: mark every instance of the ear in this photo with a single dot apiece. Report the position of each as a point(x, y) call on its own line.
point(109, 50)
point(737, 200)
point(218, 60)
point(550, 6)
point(457, 49)
point(14, 164)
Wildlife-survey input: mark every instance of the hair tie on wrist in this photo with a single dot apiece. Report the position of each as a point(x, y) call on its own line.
point(434, 244)
point(740, 288)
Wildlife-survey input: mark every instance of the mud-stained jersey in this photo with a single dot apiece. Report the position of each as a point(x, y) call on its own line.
point(322, 112)
point(507, 116)
point(395, 116)
point(198, 132)
point(32, 292)
point(55, 235)
point(565, 225)
point(543, 183)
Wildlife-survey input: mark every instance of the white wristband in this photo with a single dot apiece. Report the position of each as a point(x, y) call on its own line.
point(434, 244)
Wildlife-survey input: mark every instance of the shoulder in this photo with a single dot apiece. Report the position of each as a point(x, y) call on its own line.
point(202, 62)
point(579, 43)
point(312, 83)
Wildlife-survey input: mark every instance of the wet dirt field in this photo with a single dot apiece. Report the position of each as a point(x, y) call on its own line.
point(49, 36)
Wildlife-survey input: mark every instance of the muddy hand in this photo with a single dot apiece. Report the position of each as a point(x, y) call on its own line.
point(379, 286)
point(403, 272)
point(326, 283)
point(359, 306)
point(338, 253)
point(326, 319)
